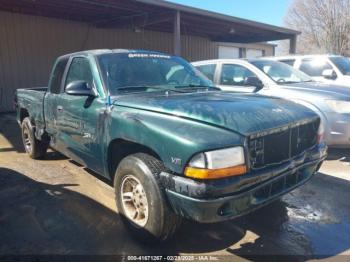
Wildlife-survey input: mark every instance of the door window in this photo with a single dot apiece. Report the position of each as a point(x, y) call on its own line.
point(80, 70)
point(57, 74)
point(342, 63)
point(314, 67)
point(234, 75)
point(207, 70)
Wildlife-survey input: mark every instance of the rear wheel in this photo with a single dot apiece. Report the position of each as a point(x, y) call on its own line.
point(141, 199)
point(35, 148)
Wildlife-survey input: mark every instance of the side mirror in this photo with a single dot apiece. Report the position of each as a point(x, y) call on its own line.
point(329, 74)
point(254, 81)
point(80, 88)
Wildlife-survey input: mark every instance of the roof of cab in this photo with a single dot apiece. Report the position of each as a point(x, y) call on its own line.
point(96, 52)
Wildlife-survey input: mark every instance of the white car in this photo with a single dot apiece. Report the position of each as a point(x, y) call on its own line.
point(323, 68)
point(272, 78)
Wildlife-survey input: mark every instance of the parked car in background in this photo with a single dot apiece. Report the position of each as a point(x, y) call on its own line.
point(324, 68)
point(173, 145)
point(268, 77)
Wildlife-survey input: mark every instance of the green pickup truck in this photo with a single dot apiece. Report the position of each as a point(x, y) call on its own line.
point(174, 146)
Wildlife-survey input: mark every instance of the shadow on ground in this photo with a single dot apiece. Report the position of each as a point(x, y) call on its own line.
point(341, 154)
point(38, 218)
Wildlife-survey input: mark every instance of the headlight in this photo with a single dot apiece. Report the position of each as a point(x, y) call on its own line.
point(339, 106)
point(217, 164)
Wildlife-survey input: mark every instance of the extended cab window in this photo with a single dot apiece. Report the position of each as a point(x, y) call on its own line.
point(207, 70)
point(314, 67)
point(80, 70)
point(56, 79)
point(234, 75)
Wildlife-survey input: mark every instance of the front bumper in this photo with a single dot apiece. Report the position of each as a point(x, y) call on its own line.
point(202, 202)
point(337, 130)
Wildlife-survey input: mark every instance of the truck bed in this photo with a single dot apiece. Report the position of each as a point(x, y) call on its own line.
point(31, 100)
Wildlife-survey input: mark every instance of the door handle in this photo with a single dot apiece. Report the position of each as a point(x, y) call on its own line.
point(59, 108)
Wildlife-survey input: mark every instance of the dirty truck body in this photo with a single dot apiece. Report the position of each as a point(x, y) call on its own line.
point(173, 145)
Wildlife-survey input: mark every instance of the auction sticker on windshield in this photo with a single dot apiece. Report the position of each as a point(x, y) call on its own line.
point(145, 55)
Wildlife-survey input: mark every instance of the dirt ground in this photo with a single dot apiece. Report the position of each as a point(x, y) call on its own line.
point(54, 206)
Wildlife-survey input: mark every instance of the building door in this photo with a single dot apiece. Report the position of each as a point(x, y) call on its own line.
point(228, 52)
point(253, 53)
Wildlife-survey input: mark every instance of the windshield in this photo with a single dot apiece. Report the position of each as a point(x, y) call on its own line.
point(280, 72)
point(342, 63)
point(145, 72)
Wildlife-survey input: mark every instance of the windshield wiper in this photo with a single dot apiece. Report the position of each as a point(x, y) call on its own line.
point(288, 82)
point(295, 82)
point(135, 88)
point(191, 86)
point(145, 88)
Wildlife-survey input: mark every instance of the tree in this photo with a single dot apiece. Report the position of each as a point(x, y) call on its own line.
point(324, 25)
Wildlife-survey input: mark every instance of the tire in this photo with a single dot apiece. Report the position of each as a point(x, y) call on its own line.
point(160, 223)
point(35, 148)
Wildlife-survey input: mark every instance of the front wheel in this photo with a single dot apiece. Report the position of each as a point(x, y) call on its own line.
point(141, 199)
point(35, 148)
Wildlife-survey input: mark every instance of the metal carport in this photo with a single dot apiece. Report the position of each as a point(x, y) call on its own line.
point(34, 32)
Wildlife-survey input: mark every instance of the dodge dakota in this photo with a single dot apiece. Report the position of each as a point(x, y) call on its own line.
point(174, 146)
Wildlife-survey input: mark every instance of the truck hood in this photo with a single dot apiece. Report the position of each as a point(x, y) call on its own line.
point(242, 113)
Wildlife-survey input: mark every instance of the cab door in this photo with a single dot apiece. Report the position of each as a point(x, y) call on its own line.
point(77, 117)
point(50, 100)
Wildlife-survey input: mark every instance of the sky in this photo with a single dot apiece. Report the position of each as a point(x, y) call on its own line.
point(265, 11)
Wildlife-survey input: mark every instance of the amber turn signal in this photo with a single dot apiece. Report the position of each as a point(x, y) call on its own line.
point(200, 173)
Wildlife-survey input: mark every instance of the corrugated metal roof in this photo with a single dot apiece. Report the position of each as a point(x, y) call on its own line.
point(228, 18)
point(155, 15)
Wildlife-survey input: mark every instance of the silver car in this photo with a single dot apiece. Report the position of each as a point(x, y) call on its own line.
point(332, 69)
point(273, 78)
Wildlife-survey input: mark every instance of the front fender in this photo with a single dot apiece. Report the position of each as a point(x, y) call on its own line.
point(174, 139)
